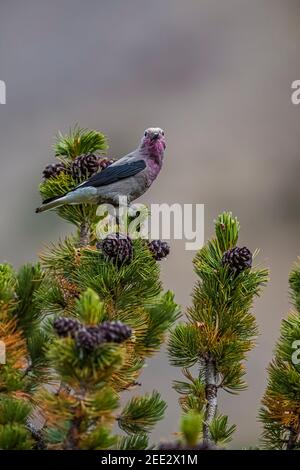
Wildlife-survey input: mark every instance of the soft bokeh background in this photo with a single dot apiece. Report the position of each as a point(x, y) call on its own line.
point(216, 75)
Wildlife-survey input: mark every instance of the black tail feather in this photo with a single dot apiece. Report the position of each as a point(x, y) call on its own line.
point(51, 199)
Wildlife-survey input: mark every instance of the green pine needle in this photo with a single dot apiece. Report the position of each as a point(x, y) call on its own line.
point(99, 439)
point(14, 411)
point(221, 431)
point(15, 437)
point(191, 427)
point(89, 308)
point(142, 413)
point(227, 230)
point(184, 346)
point(281, 402)
point(138, 441)
point(80, 141)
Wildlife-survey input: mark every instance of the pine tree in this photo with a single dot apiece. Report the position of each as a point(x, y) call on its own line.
point(280, 413)
point(24, 364)
point(220, 328)
point(105, 312)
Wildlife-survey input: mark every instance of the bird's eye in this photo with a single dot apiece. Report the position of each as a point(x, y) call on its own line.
point(146, 133)
point(162, 132)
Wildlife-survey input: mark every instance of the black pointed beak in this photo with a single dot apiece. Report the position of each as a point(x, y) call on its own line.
point(155, 135)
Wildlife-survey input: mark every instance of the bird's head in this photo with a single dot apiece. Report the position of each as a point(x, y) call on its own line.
point(154, 140)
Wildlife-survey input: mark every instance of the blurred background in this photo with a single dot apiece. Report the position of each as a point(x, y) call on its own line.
point(217, 77)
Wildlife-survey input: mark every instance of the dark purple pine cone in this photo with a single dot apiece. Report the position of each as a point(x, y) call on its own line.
point(114, 331)
point(53, 170)
point(117, 248)
point(237, 259)
point(65, 326)
point(85, 166)
point(96, 333)
point(105, 162)
point(159, 249)
point(87, 339)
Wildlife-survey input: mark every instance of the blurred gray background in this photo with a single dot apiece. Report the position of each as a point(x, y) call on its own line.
point(216, 75)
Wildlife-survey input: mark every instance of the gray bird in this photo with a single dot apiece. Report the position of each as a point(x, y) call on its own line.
point(130, 176)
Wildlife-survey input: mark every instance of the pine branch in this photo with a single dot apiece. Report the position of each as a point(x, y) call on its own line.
point(142, 413)
point(37, 435)
point(73, 436)
point(28, 281)
point(133, 442)
point(220, 328)
point(84, 239)
point(83, 322)
point(220, 430)
point(79, 141)
point(292, 440)
point(59, 186)
point(211, 391)
point(280, 413)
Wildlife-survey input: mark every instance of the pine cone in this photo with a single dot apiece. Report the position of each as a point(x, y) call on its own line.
point(65, 326)
point(87, 339)
point(105, 162)
point(96, 333)
point(85, 166)
point(159, 249)
point(114, 331)
point(237, 259)
point(117, 247)
point(54, 169)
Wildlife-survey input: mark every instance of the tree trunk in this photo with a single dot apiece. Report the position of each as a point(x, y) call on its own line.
point(293, 437)
point(291, 441)
point(72, 440)
point(211, 392)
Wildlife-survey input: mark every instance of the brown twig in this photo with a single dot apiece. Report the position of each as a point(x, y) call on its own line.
point(293, 436)
point(72, 439)
point(84, 239)
point(37, 435)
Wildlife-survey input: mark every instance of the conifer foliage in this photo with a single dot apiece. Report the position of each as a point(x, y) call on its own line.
point(109, 314)
point(78, 329)
point(79, 154)
point(23, 363)
point(280, 413)
point(219, 331)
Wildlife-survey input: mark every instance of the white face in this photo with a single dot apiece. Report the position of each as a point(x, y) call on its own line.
point(153, 133)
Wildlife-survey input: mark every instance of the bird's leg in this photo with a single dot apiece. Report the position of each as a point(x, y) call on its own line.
point(122, 217)
point(119, 216)
point(117, 223)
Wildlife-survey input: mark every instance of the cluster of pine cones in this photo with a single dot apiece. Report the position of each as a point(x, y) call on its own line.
point(82, 167)
point(237, 259)
point(119, 248)
point(90, 338)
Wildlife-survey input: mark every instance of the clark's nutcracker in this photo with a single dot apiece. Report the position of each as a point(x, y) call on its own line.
point(130, 176)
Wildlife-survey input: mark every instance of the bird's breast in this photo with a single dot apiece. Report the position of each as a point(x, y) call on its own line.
point(153, 166)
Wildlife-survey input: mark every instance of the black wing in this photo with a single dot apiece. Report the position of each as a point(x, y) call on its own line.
point(114, 173)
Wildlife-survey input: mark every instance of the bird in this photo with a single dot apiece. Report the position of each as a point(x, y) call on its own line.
point(128, 177)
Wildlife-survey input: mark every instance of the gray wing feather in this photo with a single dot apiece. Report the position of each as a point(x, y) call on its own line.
point(114, 173)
